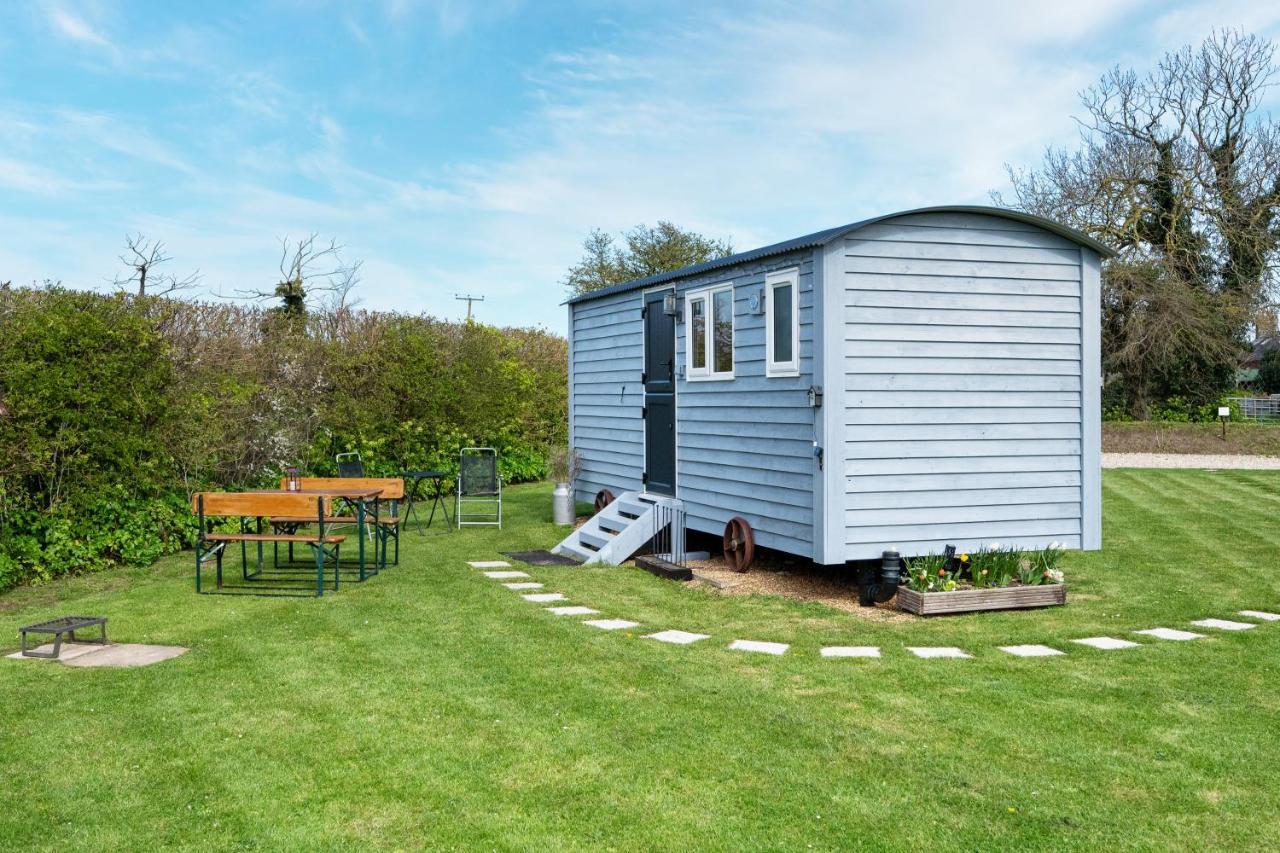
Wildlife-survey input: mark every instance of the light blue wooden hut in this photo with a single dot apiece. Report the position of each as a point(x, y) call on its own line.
point(909, 381)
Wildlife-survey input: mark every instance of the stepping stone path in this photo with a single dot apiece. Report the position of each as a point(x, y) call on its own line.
point(850, 652)
point(759, 646)
point(1108, 643)
point(938, 652)
point(574, 610)
point(1170, 634)
point(1031, 651)
point(489, 564)
point(1224, 624)
point(680, 638)
point(502, 575)
point(544, 596)
point(523, 585)
point(611, 624)
point(115, 655)
point(1260, 614)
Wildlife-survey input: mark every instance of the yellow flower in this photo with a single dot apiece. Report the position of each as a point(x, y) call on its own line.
point(964, 558)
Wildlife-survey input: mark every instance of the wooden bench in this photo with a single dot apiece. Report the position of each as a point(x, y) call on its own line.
point(260, 506)
point(387, 528)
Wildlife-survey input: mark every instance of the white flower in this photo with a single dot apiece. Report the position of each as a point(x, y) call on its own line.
point(994, 546)
point(1054, 546)
point(1055, 575)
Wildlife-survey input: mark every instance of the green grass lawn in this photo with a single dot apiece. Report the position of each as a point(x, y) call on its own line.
point(433, 708)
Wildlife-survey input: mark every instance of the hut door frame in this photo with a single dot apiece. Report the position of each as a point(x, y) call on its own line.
point(659, 380)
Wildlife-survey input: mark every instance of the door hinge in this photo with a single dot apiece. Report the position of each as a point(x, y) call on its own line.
point(644, 312)
point(644, 478)
point(644, 411)
point(644, 378)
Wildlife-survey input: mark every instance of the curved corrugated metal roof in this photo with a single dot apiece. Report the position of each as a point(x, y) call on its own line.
point(821, 238)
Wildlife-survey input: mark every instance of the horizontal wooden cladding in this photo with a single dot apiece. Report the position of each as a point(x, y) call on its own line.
point(623, 303)
point(609, 362)
point(944, 383)
point(618, 414)
point(622, 341)
point(911, 331)
point(951, 497)
point(974, 463)
point(930, 545)
point(907, 430)
point(613, 447)
point(961, 349)
point(603, 426)
point(975, 513)
point(780, 411)
point(967, 365)
point(894, 398)
point(985, 253)
point(713, 395)
point(958, 317)
point(855, 265)
point(760, 512)
point(799, 478)
point(905, 232)
point(769, 447)
point(583, 376)
point(981, 531)
point(961, 415)
point(607, 468)
point(962, 448)
point(962, 284)
point(733, 429)
point(862, 297)
point(758, 459)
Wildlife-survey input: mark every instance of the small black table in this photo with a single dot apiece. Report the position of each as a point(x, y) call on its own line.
point(436, 478)
point(62, 625)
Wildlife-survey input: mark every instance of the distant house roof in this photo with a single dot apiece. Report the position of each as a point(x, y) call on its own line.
point(1261, 347)
point(822, 238)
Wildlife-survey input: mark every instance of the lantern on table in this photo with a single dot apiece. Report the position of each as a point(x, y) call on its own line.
point(293, 480)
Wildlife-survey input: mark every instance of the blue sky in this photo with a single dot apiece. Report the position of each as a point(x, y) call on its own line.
point(470, 147)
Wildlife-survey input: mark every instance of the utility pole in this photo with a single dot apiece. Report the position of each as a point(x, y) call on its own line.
point(468, 298)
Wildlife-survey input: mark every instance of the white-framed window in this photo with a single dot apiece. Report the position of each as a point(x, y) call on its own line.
point(782, 323)
point(709, 348)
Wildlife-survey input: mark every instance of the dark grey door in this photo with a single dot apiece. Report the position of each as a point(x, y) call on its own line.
point(659, 396)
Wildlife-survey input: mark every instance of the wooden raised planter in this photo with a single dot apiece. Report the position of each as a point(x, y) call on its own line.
point(971, 600)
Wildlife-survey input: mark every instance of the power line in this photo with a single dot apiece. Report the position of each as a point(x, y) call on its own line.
point(468, 298)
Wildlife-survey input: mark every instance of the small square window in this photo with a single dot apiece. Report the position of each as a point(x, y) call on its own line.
point(782, 323)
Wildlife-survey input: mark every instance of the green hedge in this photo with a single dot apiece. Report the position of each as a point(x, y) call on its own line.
point(114, 409)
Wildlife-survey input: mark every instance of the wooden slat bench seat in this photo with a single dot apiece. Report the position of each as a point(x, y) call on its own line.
point(260, 506)
point(390, 491)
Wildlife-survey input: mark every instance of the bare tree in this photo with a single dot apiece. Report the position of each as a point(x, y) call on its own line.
point(1179, 170)
point(310, 269)
point(142, 256)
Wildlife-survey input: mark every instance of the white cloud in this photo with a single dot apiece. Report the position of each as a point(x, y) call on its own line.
point(77, 29)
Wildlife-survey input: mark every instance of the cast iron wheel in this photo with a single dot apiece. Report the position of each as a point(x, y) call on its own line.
point(604, 497)
point(739, 544)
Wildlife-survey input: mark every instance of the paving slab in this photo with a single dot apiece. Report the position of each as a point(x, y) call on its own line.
point(611, 624)
point(680, 638)
point(488, 564)
point(938, 652)
point(1261, 614)
point(66, 653)
point(573, 610)
point(1224, 624)
point(504, 575)
point(850, 652)
point(759, 646)
point(523, 585)
point(1170, 634)
point(544, 596)
point(1108, 643)
point(1032, 650)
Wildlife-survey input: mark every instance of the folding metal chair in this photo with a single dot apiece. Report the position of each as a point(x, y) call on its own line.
point(349, 464)
point(478, 498)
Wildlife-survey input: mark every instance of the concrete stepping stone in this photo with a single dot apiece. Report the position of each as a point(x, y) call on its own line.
point(488, 564)
point(759, 646)
point(611, 624)
point(544, 596)
point(1170, 634)
point(504, 575)
point(938, 652)
point(573, 610)
point(1032, 650)
point(1261, 614)
point(680, 638)
point(850, 652)
point(1108, 643)
point(67, 652)
point(1224, 624)
point(118, 655)
point(523, 585)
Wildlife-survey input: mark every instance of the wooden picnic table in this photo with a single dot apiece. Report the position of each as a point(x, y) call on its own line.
point(359, 495)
